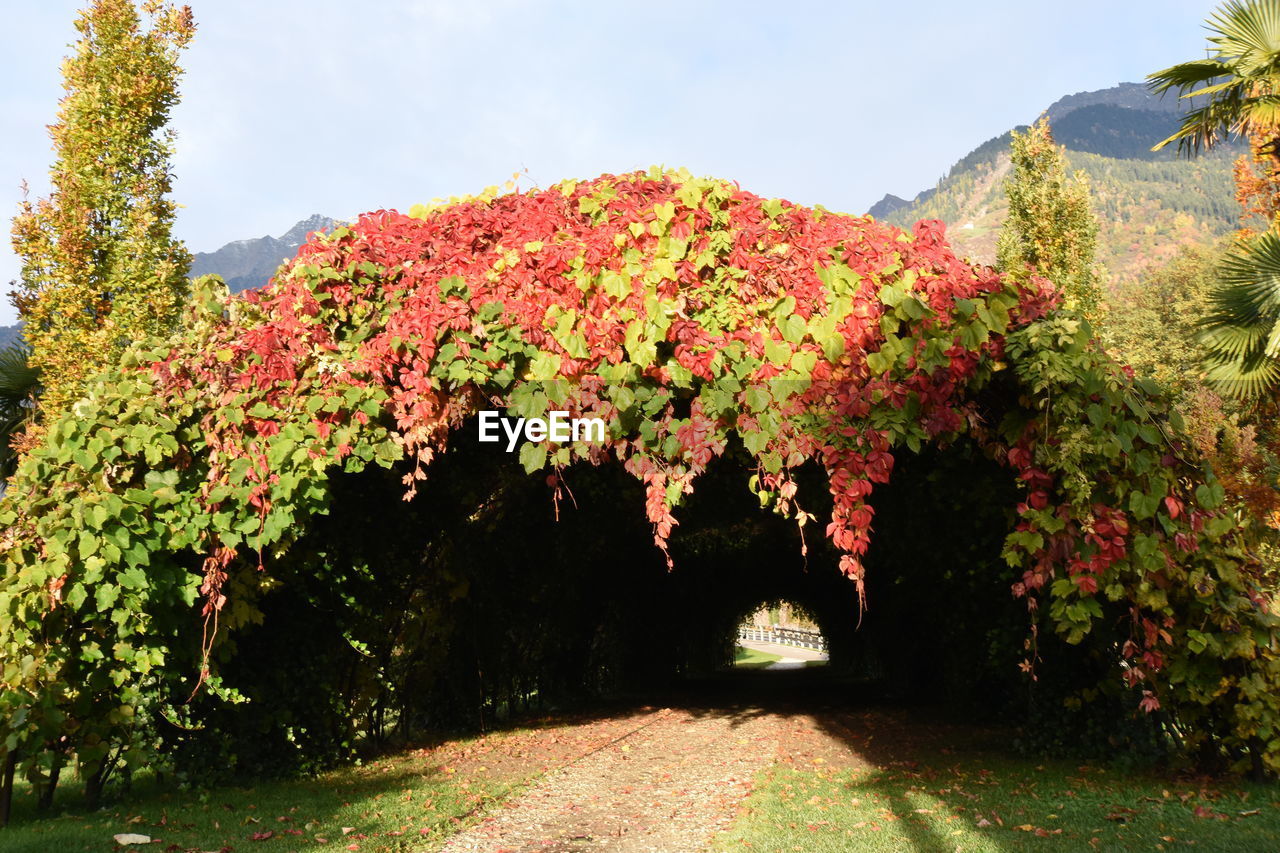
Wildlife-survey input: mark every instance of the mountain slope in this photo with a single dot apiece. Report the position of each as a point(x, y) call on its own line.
point(249, 263)
point(1134, 96)
point(242, 264)
point(1148, 203)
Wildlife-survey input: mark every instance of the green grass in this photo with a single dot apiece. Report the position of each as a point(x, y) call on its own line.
point(982, 803)
point(751, 659)
point(400, 803)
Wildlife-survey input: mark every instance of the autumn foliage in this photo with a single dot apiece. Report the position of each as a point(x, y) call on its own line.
point(100, 268)
point(686, 313)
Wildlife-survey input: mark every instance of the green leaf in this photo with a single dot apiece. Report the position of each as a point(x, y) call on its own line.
point(134, 578)
point(755, 441)
point(794, 329)
point(758, 399)
point(533, 456)
point(1210, 495)
point(545, 366)
point(776, 352)
point(76, 596)
point(105, 596)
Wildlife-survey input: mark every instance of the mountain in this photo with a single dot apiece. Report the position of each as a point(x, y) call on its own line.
point(1134, 96)
point(1148, 203)
point(242, 264)
point(891, 204)
point(249, 263)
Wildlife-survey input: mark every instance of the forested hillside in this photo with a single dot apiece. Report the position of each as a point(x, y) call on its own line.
point(1148, 203)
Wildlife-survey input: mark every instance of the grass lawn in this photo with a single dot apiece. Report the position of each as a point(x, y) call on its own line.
point(744, 658)
point(985, 803)
point(399, 803)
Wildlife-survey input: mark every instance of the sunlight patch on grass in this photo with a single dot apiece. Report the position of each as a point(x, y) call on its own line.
point(999, 804)
point(744, 658)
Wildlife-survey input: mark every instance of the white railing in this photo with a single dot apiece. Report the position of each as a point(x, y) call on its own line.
point(799, 637)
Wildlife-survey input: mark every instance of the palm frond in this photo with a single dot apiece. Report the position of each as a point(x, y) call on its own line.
point(1250, 275)
point(1202, 127)
point(1187, 76)
point(1231, 342)
point(1243, 378)
point(1241, 80)
point(1247, 31)
point(19, 381)
point(1242, 329)
point(1262, 113)
point(1224, 84)
point(19, 387)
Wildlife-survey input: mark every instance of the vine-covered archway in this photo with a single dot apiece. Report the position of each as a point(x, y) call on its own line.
point(682, 312)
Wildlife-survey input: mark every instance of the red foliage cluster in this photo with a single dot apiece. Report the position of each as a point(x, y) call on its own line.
point(701, 266)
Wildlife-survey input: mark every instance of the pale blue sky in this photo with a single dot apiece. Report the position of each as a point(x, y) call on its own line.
point(292, 108)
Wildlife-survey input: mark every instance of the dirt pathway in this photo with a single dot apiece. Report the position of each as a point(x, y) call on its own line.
point(664, 786)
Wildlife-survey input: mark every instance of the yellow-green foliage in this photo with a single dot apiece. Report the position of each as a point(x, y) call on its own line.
point(99, 266)
point(1152, 323)
point(1050, 228)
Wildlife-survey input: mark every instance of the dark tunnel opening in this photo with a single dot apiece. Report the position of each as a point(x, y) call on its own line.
point(488, 597)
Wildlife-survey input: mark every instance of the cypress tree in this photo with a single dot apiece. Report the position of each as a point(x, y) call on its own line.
point(100, 268)
point(1051, 228)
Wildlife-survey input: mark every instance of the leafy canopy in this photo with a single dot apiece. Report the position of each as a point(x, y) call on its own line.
point(684, 312)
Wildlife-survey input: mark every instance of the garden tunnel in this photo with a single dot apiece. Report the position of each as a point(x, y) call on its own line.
point(482, 598)
point(172, 526)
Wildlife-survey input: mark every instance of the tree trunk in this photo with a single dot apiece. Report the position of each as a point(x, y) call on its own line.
point(93, 788)
point(6, 786)
point(45, 802)
point(1258, 771)
point(97, 782)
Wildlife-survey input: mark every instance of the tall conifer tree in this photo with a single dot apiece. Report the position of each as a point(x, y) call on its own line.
point(1051, 228)
point(100, 268)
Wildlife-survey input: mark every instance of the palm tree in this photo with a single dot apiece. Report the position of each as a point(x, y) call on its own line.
point(1239, 87)
point(19, 387)
point(1239, 81)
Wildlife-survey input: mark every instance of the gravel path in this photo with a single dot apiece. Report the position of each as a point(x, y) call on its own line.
point(666, 786)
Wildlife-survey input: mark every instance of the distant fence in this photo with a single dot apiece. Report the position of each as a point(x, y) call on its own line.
point(799, 637)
